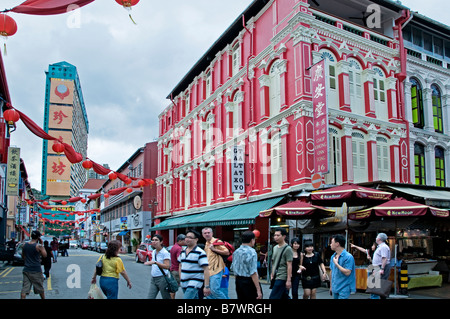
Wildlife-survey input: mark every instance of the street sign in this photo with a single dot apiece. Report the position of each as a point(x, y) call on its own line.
point(316, 180)
point(237, 170)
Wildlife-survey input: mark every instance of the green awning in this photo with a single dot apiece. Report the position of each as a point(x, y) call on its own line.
point(242, 214)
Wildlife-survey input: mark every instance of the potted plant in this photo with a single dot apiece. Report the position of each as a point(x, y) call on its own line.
point(135, 243)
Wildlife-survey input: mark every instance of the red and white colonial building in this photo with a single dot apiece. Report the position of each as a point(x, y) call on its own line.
point(253, 89)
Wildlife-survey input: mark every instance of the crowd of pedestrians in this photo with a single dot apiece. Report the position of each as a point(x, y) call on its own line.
point(202, 270)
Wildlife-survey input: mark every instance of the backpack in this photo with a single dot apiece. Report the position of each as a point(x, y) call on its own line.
point(226, 259)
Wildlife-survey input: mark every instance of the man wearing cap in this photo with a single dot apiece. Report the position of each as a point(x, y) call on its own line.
point(32, 271)
point(381, 259)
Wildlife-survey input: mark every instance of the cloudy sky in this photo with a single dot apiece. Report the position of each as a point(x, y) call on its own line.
point(126, 70)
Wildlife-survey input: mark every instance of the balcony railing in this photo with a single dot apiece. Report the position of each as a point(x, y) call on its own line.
point(351, 27)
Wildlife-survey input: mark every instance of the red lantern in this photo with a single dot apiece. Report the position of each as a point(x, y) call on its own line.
point(127, 4)
point(87, 164)
point(45, 203)
point(106, 195)
point(58, 147)
point(129, 190)
point(63, 202)
point(141, 183)
point(112, 176)
point(83, 200)
point(128, 181)
point(257, 233)
point(8, 26)
point(10, 115)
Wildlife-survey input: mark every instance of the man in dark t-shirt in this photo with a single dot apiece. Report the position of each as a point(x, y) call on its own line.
point(32, 271)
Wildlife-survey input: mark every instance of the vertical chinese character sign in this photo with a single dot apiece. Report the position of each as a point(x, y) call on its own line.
point(13, 171)
point(237, 170)
point(320, 117)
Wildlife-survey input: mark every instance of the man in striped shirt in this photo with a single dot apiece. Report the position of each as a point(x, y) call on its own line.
point(193, 267)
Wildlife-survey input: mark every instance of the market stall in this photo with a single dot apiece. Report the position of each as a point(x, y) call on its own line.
point(415, 245)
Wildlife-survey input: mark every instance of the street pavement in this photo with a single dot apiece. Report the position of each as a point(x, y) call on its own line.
point(71, 276)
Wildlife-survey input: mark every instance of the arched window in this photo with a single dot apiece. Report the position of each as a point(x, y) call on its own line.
point(209, 133)
point(356, 92)
point(359, 157)
point(419, 164)
point(417, 103)
point(439, 166)
point(384, 171)
point(237, 117)
point(209, 185)
point(275, 160)
point(208, 86)
point(332, 92)
point(379, 94)
point(186, 140)
point(168, 198)
point(187, 192)
point(274, 90)
point(334, 154)
point(437, 108)
point(236, 56)
point(187, 104)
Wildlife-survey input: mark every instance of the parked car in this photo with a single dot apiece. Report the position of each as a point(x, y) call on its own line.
point(101, 247)
point(91, 245)
point(144, 253)
point(18, 259)
point(84, 244)
point(74, 244)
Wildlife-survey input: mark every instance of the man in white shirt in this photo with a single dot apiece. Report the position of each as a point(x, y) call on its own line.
point(381, 259)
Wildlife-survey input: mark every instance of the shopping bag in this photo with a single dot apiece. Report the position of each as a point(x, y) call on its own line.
point(383, 290)
point(95, 292)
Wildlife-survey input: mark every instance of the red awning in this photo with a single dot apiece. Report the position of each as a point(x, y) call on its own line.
point(298, 210)
point(351, 193)
point(399, 207)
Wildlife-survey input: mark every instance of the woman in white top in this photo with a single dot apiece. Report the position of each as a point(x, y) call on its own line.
point(160, 263)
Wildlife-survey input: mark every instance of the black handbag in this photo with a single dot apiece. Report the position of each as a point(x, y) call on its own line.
point(384, 289)
point(272, 281)
point(99, 267)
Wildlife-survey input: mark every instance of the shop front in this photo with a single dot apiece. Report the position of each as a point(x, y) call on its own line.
point(228, 223)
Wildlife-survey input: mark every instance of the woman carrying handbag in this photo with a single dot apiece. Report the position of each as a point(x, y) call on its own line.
point(109, 270)
point(309, 267)
point(160, 259)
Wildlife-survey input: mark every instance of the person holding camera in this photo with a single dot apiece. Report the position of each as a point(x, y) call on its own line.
point(32, 271)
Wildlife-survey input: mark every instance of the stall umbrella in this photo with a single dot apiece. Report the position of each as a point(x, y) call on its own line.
point(398, 208)
point(349, 195)
point(297, 210)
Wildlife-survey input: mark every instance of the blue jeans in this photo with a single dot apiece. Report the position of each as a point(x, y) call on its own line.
point(343, 294)
point(110, 287)
point(214, 283)
point(190, 293)
point(279, 290)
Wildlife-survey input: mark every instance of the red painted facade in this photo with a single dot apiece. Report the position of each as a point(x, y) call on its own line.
point(264, 103)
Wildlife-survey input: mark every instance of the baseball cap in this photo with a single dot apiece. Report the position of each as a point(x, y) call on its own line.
point(35, 234)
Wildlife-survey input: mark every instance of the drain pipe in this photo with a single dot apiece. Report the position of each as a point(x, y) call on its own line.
point(400, 23)
point(251, 109)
